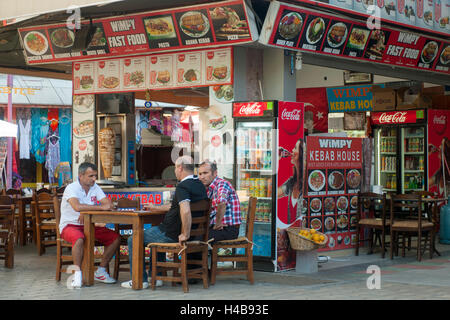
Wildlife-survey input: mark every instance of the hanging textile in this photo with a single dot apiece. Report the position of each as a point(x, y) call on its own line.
point(23, 119)
point(177, 131)
point(52, 157)
point(167, 123)
point(155, 120)
point(24, 138)
point(65, 135)
point(39, 130)
point(53, 118)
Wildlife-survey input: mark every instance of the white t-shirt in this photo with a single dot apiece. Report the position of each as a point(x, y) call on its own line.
point(75, 190)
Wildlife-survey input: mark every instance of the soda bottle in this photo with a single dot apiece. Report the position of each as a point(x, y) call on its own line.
point(269, 188)
point(283, 153)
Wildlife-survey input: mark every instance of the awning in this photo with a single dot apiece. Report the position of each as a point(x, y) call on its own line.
point(8, 129)
point(36, 91)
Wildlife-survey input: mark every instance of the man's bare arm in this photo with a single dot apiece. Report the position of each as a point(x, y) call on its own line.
point(186, 221)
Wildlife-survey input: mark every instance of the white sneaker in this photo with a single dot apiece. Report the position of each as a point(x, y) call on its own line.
point(103, 276)
point(129, 284)
point(76, 282)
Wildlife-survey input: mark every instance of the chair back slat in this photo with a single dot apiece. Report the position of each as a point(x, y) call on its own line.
point(201, 223)
point(367, 203)
point(411, 202)
point(6, 200)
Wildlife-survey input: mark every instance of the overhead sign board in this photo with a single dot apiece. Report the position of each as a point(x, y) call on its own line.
point(209, 25)
point(307, 30)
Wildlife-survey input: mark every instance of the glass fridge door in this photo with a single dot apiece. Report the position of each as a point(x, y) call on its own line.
point(413, 157)
point(386, 158)
point(254, 146)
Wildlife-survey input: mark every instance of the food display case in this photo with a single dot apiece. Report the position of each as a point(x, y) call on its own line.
point(400, 152)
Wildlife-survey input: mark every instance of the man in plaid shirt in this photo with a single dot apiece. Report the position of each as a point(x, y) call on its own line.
point(226, 211)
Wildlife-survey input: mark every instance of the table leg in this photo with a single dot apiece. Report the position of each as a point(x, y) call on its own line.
point(435, 206)
point(88, 254)
point(138, 254)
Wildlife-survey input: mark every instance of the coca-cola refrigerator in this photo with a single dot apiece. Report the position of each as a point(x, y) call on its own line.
point(401, 150)
point(267, 132)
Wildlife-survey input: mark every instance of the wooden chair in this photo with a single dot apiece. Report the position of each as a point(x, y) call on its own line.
point(371, 215)
point(180, 273)
point(245, 243)
point(7, 234)
point(59, 191)
point(45, 221)
point(62, 245)
point(415, 224)
point(43, 190)
point(121, 259)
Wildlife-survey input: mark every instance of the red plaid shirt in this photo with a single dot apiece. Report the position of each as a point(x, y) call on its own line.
point(221, 191)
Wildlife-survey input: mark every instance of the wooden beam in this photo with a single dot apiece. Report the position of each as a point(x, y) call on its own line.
point(170, 97)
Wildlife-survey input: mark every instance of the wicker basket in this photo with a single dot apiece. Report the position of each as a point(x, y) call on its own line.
point(299, 242)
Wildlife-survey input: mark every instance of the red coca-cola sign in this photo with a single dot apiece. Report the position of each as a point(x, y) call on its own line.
point(249, 109)
point(439, 123)
point(395, 117)
point(290, 116)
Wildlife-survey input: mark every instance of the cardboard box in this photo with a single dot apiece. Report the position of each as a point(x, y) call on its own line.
point(441, 101)
point(383, 99)
point(417, 97)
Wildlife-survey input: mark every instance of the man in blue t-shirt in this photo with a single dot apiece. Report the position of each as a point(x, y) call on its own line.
point(176, 226)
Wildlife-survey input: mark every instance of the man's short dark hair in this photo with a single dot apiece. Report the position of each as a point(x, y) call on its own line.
point(212, 164)
point(86, 165)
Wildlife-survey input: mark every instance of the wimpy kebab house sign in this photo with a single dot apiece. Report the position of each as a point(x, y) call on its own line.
point(330, 152)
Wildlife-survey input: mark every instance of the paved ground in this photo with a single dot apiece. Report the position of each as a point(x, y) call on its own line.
point(343, 277)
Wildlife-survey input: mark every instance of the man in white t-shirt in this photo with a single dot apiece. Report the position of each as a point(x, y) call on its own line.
point(82, 195)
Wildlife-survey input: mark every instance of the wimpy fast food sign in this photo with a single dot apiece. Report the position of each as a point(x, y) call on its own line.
point(329, 152)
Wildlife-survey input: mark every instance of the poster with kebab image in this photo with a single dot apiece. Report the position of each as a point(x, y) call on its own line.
point(333, 180)
point(289, 178)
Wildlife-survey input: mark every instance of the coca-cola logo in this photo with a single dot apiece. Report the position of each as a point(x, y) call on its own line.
point(439, 124)
point(398, 117)
point(291, 115)
point(250, 109)
point(291, 118)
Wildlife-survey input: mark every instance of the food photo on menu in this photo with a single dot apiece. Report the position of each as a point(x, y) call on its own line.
point(315, 32)
point(357, 41)
point(160, 31)
point(443, 63)
point(335, 181)
point(289, 28)
point(336, 37)
point(98, 41)
point(35, 42)
point(229, 22)
point(353, 179)
point(428, 54)
point(377, 44)
point(195, 27)
point(316, 181)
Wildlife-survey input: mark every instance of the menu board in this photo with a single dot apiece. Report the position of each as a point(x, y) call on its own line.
point(312, 31)
point(333, 178)
point(428, 15)
point(214, 24)
point(159, 71)
point(83, 131)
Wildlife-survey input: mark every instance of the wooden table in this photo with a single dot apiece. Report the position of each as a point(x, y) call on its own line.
point(134, 218)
